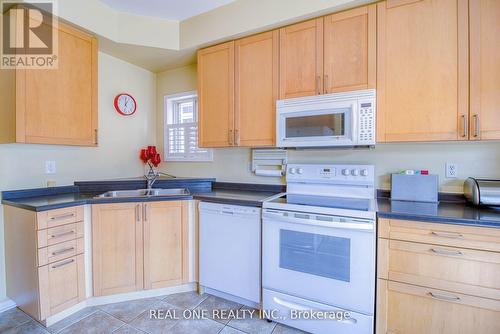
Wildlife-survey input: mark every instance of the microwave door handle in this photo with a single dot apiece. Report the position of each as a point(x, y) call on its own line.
point(294, 306)
point(313, 222)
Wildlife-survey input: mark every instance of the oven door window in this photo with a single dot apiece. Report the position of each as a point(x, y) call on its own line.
point(319, 125)
point(315, 254)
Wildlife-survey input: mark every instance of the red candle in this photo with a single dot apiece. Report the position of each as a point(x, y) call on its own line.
point(144, 155)
point(151, 152)
point(156, 160)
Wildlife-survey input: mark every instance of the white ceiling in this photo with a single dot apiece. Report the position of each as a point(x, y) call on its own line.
point(167, 9)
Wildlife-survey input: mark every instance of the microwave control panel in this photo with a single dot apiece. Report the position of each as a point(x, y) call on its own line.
point(366, 135)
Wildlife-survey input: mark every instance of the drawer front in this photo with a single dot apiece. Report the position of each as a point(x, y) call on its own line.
point(416, 310)
point(56, 235)
point(462, 270)
point(61, 284)
point(60, 251)
point(481, 238)
point(57, 217)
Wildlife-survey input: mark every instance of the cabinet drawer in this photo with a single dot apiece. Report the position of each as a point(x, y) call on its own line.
point(413, 309)
point(57, 217)
point(59, 234)
point(61, 285)
point(461, 270)
point(481, 238)
point(60, 251)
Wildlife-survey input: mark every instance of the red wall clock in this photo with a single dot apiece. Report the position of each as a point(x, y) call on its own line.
point(125, 104)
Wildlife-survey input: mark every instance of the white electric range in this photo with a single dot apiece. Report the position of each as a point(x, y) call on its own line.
point(319, 249)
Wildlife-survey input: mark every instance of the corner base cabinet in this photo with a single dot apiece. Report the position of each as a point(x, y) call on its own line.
point(44, 259)
point(139, 246)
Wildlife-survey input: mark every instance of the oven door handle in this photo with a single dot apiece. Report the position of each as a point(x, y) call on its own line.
point(313, 222)
point(294, 306)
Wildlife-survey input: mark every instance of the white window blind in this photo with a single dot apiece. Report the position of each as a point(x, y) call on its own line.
point(181, 129)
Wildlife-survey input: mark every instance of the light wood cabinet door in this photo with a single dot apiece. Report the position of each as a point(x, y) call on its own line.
point(165, 243)
point(350, 50)
point(301, 59)
point(117, 247)
point(61, 285)
point(484, 69)
point(256, 89)
point(216, 96)
point(60, 106)
point(422, 70)
point(411, 309)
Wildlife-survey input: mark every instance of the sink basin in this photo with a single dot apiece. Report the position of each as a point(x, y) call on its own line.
point(144, 193)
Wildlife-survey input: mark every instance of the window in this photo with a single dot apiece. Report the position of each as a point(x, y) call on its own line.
point(181, 129)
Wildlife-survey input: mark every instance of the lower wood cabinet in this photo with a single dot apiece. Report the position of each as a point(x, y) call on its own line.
point(139, 246)
point(437, 278)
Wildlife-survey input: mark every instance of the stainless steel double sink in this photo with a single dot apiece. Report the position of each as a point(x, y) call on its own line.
point(145, 193)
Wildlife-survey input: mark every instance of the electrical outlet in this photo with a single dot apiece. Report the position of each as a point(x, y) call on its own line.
point(451, 170)
point(50, 167)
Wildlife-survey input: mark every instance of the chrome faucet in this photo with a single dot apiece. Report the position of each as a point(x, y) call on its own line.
point(151, 178)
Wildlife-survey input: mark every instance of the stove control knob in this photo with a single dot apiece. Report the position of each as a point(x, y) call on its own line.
point(300, 171)
point(355, 172)
point(346, 172)
point(292, 170)
point(364, 172)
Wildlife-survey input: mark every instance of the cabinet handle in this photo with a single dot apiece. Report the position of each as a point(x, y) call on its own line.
point(318, 84)
point(447, 235)
point(476, 125)
point(62, 234)
point(230, 137)
point(325, 84)
point(464, 126)
point(145, 212)
point(62, 264)
point(446, 252)
point(137, 212)
point(237, 137)
point(444, 297)
point(96, 137)
point(66, 215)
point(62, 251)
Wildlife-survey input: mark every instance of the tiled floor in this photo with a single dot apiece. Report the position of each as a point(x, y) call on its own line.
point(133, 317)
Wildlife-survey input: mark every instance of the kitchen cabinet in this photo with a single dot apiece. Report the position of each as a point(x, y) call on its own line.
point(44, 259)
point(216, 96)
point(350, 50)
point(448, 273)
point(256, 89)
point(422, 70)
point(165, 243)
point(54, 106)
point(139, 246)
point(301, 59)
point(484, 69)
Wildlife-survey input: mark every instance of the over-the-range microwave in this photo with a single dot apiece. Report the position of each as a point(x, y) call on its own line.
point(338, 119)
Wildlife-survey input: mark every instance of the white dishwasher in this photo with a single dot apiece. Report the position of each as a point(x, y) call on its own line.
point(230, 243)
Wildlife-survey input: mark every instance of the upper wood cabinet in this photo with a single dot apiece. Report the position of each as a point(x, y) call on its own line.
point(256, 89)
point(53, 106)
point(301, 59)
point(350, 50)
point(216, 95)
point(422, 70)
point(484, 69)
point(117, 248)
point(165, 243)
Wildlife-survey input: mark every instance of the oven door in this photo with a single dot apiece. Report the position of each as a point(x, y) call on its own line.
point(332, 126)
point(326, 259)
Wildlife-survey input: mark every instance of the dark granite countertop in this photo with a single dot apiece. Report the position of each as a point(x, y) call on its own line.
point(458, 213)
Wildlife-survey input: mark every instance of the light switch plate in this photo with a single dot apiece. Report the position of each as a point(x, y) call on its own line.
point(451, 170)
point(50, 167)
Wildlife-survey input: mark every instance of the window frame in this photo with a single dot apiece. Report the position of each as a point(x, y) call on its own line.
point(169, 102)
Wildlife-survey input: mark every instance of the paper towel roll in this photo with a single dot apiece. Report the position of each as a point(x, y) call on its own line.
point(267, 172)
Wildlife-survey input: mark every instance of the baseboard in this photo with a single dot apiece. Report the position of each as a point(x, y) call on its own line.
point(95, 301)
point(7, 305)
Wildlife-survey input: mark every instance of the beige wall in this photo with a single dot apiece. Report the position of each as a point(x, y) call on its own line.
point(233, 164)
point(23, 166)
